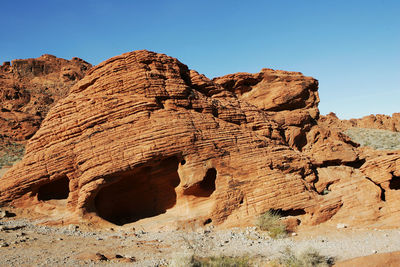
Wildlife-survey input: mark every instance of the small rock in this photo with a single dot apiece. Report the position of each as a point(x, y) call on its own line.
point(341, 226)
point(73, 227)
point(101, 257)
point(6, 214)
point(294, 234)
point(3, 245)
point(131, 259)
point(91, 256)
point(374, 251)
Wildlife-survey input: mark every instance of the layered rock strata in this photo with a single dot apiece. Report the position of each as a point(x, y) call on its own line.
point(143, 140)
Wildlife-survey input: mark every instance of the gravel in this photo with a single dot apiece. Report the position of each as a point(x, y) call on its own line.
point(24, 242)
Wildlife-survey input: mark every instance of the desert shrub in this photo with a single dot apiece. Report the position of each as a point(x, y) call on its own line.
point(219, 261)
point(308, 258)
point(375, 138)
point(10, 153)
point(325, 191)
point(271, 222)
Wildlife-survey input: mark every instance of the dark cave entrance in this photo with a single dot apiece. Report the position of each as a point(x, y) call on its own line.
point(139, 194)
point(57, 189)
point(394, 184)
point(204, 188)
point(289, 212)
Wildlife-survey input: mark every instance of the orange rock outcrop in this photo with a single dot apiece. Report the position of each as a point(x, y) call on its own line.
point(389, 259)
point(29, 88)
point(379, 121)
point(143, 140)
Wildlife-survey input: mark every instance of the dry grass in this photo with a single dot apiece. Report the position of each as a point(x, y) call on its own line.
point(270, 221)
point(375, 138)
point(220, 261)
point(308, 258)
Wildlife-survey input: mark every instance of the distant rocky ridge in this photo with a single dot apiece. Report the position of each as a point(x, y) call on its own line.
point(379, 121)
point(29, 88)
point(143, 140)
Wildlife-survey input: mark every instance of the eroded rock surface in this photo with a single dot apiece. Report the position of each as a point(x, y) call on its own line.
point(29, 88)
point(390, 259)
point(142, 139)
point(379, 121)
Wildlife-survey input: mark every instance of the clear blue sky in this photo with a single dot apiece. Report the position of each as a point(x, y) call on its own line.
point(351, 47)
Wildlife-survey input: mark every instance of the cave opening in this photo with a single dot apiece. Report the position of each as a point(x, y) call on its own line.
point(208, 221)
point(394, 183)
point(57, 189)
point(289, 212)
point(205, 187)
point(138, 194)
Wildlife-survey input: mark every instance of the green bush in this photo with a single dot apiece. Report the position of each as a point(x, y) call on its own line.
point(271, 222)
point(220, 261)
point(308, 258)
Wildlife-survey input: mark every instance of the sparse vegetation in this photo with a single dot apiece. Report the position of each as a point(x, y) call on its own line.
point(271, 222)
point(308, 258)
point(325, 191)
point(10, 153)
point(220, 261)
point(375, 138)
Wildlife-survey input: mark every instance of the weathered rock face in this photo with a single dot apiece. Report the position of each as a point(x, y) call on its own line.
point(273, 90)
point(29, 87)
point(379, 121)
point(142, 139)
point(390, 259)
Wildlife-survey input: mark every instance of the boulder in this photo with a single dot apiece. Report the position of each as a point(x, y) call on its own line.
point(389, 259)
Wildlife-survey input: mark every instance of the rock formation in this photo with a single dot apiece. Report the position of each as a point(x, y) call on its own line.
point(379, 121)
point(389, 259)
point(29, 87)
point(141, 139)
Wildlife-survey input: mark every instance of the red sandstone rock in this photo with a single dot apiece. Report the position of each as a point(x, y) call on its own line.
point(325, 146)
point(273, 90)
point(379, 121)
point(390, 259)
point(29, 87)
point(142, 139)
